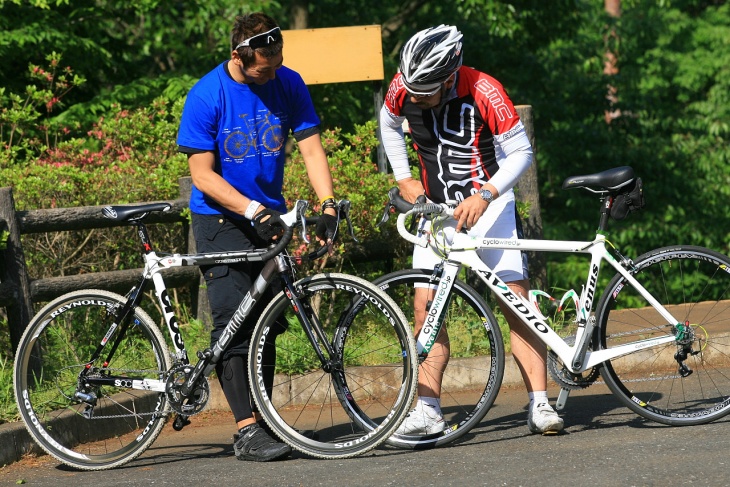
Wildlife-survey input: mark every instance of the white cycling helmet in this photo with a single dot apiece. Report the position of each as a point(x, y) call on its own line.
point(429, 58)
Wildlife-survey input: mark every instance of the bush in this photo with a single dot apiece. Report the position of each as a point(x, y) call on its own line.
point(127, 157)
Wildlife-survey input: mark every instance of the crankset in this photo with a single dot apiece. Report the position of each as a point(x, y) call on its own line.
point(186, 404)
point(567, 379)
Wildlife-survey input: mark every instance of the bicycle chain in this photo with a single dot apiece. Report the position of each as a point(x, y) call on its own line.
point(568, 380)
point(97, 373)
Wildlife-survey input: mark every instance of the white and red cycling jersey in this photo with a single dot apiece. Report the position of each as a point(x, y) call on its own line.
point(472, 137)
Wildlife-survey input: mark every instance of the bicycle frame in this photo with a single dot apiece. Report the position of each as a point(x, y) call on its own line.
point(154, 264)
point(462, 252)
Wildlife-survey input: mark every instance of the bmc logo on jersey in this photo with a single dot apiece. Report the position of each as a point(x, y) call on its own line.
point(495, 99)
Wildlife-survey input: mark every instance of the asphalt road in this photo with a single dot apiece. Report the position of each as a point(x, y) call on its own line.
point(604, 444)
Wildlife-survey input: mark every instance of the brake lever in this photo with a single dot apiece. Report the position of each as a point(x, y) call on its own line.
point(390, 205)
point(303, 220)
point(344, 207)
point(386, 214)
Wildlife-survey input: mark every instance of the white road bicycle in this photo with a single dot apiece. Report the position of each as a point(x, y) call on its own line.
point(659, 335)
point(95, 382)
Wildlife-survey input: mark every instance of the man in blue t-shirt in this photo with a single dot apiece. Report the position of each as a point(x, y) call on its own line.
point(234, 127)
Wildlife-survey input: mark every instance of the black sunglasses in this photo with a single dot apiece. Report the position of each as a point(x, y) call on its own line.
point(262, 40)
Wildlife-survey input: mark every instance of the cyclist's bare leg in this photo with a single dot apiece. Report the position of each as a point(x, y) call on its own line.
point(431, 371)
point(529, 352)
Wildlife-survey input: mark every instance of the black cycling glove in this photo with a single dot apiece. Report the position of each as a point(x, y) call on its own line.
point(268, 225)
point(327, 227)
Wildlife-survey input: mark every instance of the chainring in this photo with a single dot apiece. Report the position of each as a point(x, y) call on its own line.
point(564, 377)
point(189, 404)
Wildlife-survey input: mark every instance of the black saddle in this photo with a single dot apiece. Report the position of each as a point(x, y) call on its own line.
point(610, 181)
point(135, 212)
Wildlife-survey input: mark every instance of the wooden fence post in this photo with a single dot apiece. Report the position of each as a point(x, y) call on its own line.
point(15, 272)
point(528, 192)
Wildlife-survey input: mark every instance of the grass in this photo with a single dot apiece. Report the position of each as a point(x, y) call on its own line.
point(8, 408)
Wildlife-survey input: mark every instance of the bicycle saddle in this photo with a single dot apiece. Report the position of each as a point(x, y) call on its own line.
point(609, 180)
point(135, 212)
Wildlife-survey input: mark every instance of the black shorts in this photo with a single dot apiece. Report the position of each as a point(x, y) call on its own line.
point(228, 284)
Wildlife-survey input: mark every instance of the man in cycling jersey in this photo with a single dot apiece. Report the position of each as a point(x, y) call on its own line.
point(472, 148)
point(234, 127)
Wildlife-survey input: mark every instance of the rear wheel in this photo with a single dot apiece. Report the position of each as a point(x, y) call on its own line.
point(90, 427)
point(685, 381)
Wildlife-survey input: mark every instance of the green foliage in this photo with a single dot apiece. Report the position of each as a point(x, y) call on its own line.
point(26, 126)
point(120, 46)
point(8, 408)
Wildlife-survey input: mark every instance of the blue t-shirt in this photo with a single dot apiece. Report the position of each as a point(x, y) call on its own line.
point(246, 126)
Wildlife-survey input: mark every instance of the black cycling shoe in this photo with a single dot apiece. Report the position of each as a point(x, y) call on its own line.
point(254, 444)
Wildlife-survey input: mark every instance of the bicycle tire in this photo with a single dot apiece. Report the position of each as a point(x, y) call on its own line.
point(339, 411)
point(474, 374)
point(54, 348)
point(693, 283)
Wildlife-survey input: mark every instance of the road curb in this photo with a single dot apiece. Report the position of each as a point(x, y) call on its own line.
point(15, 441)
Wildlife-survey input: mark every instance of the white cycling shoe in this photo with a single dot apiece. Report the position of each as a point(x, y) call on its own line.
point(422, 421)
point(543, 419)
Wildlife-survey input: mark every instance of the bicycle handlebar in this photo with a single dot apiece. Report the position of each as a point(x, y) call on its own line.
point(296, 217)
point(396, 202)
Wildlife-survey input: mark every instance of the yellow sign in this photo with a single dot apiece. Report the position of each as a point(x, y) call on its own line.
point(335, 55)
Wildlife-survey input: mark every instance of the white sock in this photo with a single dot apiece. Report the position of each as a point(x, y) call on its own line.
point(537, 397)
point(431, 402)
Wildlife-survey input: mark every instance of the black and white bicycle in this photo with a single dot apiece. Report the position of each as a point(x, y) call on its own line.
point(334, 369)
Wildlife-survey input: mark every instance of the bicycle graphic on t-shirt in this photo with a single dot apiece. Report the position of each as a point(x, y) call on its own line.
point(240, 142)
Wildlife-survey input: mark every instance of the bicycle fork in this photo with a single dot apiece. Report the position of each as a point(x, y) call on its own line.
point(312, 327)
point(443, 278)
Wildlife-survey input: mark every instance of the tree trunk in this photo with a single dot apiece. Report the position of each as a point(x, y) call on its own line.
point(299, 14)
point(612, 7)
point(527, 191)
point(610, 60)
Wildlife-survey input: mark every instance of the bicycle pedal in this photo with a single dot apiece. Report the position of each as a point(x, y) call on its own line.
point(550, 433)
point(180, 422)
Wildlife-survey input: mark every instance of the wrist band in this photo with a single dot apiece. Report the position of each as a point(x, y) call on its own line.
point(251, 209)
point(329, 203)
point(322, 200)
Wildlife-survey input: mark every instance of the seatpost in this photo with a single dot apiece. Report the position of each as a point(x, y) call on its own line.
point(143, 235)
point(606, 202)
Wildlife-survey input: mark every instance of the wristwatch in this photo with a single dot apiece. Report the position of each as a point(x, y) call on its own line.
point(486, 195)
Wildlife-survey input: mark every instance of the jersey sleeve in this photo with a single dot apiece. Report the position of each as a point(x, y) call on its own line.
point(198, 124)
point(396, 96)
point(301, 107)
point(509, 133)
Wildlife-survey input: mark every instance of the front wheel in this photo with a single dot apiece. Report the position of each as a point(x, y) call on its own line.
point(685, 381)
point(472, 378)
point(353, 400)
point(90, 427)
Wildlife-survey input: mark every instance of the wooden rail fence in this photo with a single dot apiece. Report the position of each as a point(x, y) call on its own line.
point(18, 291)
